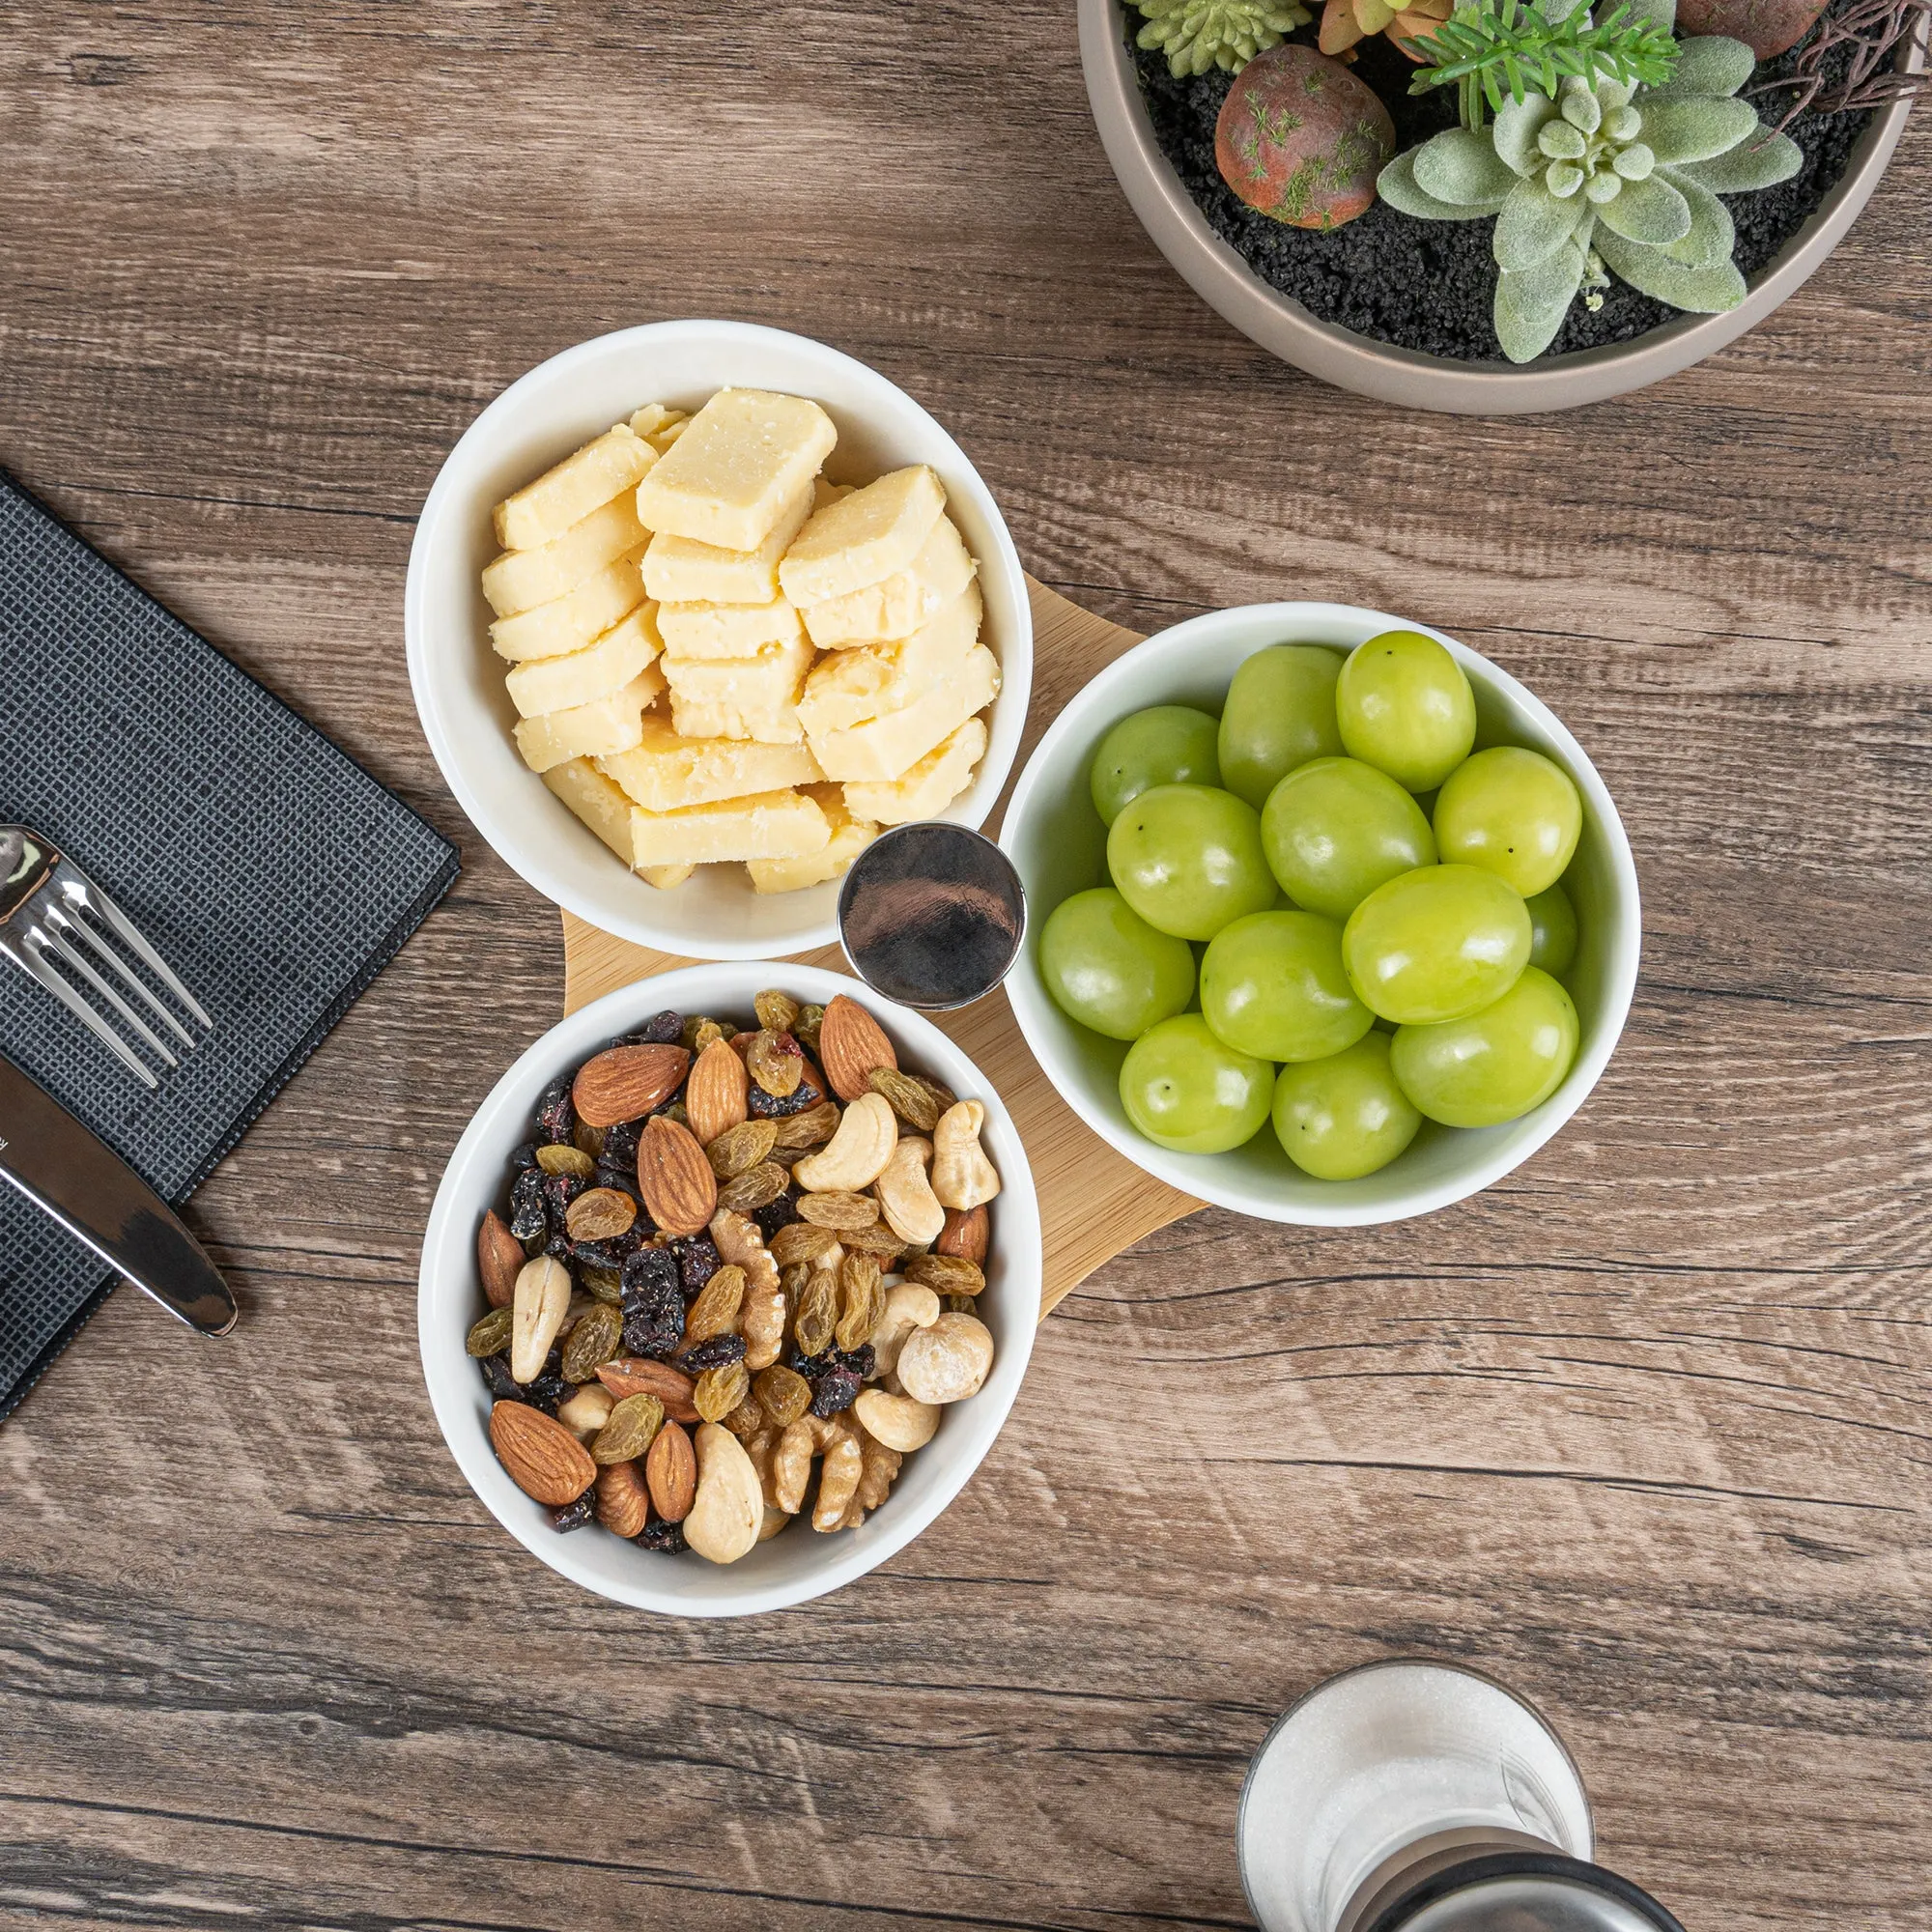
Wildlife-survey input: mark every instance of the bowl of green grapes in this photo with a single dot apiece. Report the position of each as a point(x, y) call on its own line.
point(1332, 921)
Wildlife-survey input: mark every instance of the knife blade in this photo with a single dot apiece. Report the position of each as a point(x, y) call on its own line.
point(100, 1200)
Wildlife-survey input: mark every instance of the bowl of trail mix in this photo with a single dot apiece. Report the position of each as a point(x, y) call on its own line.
point(729, 1287)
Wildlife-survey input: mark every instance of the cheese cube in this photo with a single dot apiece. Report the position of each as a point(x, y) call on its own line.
point(606, 724)
point(664, 877)
point(520, 579)
point(889, 746)
point(861, 538)
point(846, 688)
point(605, 665)
point(711, 719)
point(929, 786)
point(595, 800)
point(769, 825)
point(568, 623)
point(678, 570)
point(727, 629)
point(849, 837)
point(664, 772)
point(742, 459)
point(613, 465)
point(899, 604)
point(766, 681)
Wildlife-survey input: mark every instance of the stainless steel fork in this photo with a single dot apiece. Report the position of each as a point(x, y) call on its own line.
point(53, 916)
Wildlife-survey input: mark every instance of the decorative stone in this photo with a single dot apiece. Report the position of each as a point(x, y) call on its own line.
point(1768, 27)
point(1301, 139)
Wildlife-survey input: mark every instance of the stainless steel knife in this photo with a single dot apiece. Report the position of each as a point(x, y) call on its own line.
point(99, 1199)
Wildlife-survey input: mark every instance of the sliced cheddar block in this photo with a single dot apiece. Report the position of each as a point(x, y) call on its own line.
point(606, 724)
point(569, 623)
point(611, 466)
point(664, 772)
point(928, 788)
point(832, 860)
point(896, 605)
point(595, 800)
point(845, 688)
point(742, 459)
point(889, 746)
point(708, 718)
point(520, 579)
point(766, 680)
point(679, 570)
point(727, 629)
point(861, 538)
point(605, 664)
point(769, 825)
point(654, 419)
point(665, 878)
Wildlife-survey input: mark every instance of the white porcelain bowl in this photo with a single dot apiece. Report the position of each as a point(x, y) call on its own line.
point(1056, 839)
point(458, 679)
point(799, 1563)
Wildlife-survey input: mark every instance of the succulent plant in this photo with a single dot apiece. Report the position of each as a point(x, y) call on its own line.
point(1599, 175)
point(1199, 34)
point(1343, 22)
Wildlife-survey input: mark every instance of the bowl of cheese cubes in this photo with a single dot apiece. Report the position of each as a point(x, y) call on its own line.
point(695, 610)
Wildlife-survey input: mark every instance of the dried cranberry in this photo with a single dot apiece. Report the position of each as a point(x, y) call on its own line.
point(776, 1214)
point(574, 1516)
point(714, 1353)
point(556, 1114)
point(559, 1190)
point(698, 1260)
point(859, 1361)
point(660, 1030)
point(834, 1390)
point(667, 1537)
point(502, 1385)
point(528, 1219)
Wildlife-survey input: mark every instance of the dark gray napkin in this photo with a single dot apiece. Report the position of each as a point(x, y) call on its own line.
point(275, 876)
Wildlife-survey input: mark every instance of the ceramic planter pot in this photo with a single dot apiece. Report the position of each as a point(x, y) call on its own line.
point(1409, 377)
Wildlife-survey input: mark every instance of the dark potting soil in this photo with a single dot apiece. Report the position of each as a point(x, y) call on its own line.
point(1430, 285)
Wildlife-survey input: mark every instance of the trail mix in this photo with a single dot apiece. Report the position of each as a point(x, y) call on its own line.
point(737, 1280)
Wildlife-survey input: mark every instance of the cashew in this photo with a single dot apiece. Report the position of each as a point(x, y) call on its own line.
point(948, 1361)
point(761, 1315)
point(775, 1521)
point(912, 1210)
point(541, 1300)
point(838, 1483)
point(908, 1306)
point(857, 1154)
point(729, 1509)
point(962, 1177)
point(588, 1411)
point(897, 1421)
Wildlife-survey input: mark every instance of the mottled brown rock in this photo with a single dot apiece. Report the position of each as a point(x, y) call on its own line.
point(1301, 139)
point(1768, 27)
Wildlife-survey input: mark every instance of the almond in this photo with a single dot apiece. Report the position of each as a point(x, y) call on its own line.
point(671, 1473)
point(714, 1097)
point(499, 1259)
point(623, 1502)
point(679, 1187)
point(850, 1044)
point(544, 1458)
point(625, 1083)
point(639, 1375)
point(964, 1234)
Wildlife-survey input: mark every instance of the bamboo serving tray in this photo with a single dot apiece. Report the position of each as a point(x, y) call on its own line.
point(1093, 1201)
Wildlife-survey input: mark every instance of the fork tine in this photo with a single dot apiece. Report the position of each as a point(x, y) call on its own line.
point(30, 958)
point(63, 922)
point(69, 956)
point(124, 930)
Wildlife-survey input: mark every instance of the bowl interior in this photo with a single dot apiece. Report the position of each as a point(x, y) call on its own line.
point(797, 1564)
point(1057, 841)
point(458, 679)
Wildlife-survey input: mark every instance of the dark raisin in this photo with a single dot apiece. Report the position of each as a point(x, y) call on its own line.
point(660, 1030)
point(559, 1190)
point(715, 1352)
point(557, 1247)
point(834, 1390)
point(667, 1537)
point(621, 1145)
point(557, 1114)
point(652, 1335)
point(547, 1392)
point(698, 1260)
point(574, 1516)
point(502, 1385)
point(610, 1254)
point(776, 1214)
point(765, 1106)
point(651, 1277)
point(526, 1156)
point(528, 1219)
point(859, 1361)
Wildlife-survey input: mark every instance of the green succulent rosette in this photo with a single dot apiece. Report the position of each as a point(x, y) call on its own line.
point(1199, 34)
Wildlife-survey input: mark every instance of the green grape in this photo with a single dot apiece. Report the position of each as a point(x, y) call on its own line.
point(1513, 811)
point(1436, 944)
point(1185, 1089)
point(1336, 828)
point(1405, 707)
point(1344, 1117)
point(1189, 859)
point(1165, 743)
point(1109, 969)
point(1280, 712)
point(1552, 930)
point(1273, 984)
point(1494, 1066)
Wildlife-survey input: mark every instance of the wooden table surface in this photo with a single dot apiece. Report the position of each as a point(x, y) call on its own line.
point(1643, 1429)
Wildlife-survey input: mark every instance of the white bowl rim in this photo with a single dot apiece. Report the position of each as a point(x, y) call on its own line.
point(448, 1375)
point(1016, 655)
point(1033, 1005)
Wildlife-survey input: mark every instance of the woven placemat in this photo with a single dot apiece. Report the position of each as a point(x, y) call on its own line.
point(272, 872)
